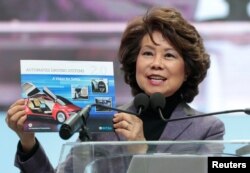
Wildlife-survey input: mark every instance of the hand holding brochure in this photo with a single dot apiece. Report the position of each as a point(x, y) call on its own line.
point(54, 90)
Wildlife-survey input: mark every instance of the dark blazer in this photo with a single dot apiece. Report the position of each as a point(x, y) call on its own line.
point(202, 128)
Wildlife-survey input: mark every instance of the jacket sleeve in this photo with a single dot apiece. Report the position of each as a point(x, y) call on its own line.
point(38, 162)
point(216, 131)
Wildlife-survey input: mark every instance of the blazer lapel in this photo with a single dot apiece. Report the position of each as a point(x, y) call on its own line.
point(175, 128)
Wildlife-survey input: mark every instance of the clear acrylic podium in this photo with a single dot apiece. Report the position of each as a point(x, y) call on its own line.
point(161, 156)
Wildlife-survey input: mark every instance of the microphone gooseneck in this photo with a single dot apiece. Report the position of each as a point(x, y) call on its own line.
point(141, 102)
point(157, 102)
point(210, 114)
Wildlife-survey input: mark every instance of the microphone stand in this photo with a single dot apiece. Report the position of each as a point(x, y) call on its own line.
point(84, 133)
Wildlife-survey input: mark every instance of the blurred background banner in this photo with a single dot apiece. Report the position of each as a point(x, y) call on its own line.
point(91, 30)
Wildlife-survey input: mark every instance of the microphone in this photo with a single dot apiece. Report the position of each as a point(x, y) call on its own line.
point(74, 123)
point(78, 121)
point(141, 102)
point(157, 102)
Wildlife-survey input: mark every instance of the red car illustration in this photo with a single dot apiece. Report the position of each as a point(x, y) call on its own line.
point(47, 104)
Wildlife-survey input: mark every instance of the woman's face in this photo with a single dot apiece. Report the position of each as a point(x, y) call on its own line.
point(159, 68)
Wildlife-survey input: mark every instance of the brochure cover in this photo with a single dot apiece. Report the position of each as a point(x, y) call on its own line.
point(54, 90)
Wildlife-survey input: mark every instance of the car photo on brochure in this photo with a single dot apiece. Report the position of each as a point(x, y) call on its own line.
point(46, 104)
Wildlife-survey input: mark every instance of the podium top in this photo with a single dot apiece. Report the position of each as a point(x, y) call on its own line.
point(124, 156)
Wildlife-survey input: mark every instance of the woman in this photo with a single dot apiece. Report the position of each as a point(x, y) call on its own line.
point(159, 53)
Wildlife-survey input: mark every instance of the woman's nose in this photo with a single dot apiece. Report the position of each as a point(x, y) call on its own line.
point(157, 62)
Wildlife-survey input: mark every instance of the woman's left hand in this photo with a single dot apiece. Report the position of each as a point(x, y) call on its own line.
point(129, 126)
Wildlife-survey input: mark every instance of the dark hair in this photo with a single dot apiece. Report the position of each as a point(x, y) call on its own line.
point(183, 37)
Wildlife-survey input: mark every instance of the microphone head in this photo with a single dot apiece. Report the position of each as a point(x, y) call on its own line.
point(247, 111)
point(65, 131)
point(141, 102)
point(157, 100)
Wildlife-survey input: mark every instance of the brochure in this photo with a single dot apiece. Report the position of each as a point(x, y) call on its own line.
point(55, 90)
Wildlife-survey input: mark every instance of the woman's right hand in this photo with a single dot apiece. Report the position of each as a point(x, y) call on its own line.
point(16, 115)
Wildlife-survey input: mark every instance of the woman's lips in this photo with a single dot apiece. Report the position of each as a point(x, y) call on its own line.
point(156, 79)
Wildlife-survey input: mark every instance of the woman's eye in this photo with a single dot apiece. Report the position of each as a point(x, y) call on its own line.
point(147, 53)
point(169, 55)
